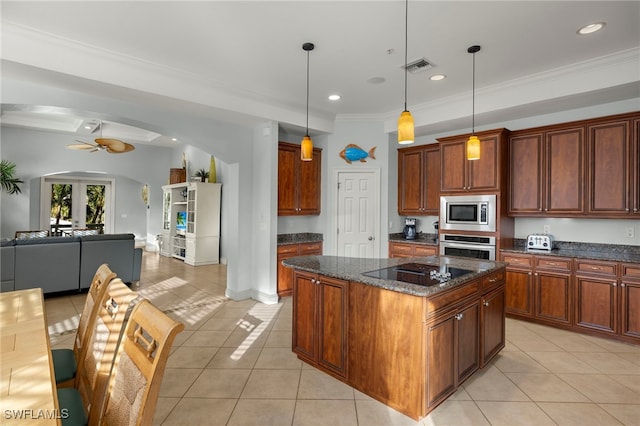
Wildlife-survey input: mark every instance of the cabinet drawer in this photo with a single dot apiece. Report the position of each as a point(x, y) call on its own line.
point(425, 250)
point(310, 248)
point(595, 267)
point(451, 298)
point(493, 279)
point(400, 248)
point(518, 260)
point(288, 249)
point(630, 270)
point(547, 262)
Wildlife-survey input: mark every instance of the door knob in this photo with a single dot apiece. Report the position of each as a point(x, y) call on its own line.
point(371, 238)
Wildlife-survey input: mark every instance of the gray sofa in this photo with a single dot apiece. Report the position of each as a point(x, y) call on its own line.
point(59, 264)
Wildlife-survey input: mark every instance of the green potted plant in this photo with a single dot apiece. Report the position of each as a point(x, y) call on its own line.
point(8, 182)
point(202, 174)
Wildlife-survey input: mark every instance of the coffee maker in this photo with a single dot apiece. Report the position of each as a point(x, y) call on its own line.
point(409, 230)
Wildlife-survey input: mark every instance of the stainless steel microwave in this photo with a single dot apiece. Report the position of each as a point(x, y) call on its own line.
point(468, 213)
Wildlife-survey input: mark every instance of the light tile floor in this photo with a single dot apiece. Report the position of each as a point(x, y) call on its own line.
point(233, 365)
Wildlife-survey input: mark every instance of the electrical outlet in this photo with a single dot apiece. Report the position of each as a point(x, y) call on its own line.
point(629, 232)
point(547, 229)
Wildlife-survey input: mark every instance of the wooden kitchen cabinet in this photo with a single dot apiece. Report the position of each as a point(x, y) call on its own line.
point(609, 165)
point(586, 168)
point(287, 251)
point(526, 183)
point(539, 287)
point(452, 351)
point(492, 313)
point(398, 249)
point(299, 182)
point(596, 296)
point(552, 289)
point(630, 300)
point(484, 175)
point(546, 171)
point(320, 322)
point(419, 180)
point(519, 284)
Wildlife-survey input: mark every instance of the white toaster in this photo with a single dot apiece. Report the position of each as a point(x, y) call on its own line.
point(540, 242)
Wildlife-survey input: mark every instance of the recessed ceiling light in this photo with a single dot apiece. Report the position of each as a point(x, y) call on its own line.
point(87, 127)
point(591, 28)
point(334, 97)
point(437, 77)
point(174, 139)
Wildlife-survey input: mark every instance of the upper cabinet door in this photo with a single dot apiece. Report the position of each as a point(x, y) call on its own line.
point(288, 158)
point(484, 173)
point(564, 167)
point(453, 163)
point(525, 174)
point(309, 187)
point(419, 180)
point(609, 162)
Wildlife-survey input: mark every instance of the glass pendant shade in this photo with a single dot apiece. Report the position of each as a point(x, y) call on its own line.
point(405, 128)
point(306, 148)
point(473, 148)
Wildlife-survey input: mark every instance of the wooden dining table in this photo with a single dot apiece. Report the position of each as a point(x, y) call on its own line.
point(27, 382)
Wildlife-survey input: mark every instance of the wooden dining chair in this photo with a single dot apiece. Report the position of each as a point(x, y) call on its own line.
point(41, 233)
point(65, 360)
point(83, 403)
point(139, 367)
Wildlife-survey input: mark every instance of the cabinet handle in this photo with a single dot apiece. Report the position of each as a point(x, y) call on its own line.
point(529, 274)
point(536, 274)
point(595, 268)
point(313, 280)
point(459, 316)
point(485, 303)
point(622, 285)
point(493, 280)
point(614, 284)
point(552, 264)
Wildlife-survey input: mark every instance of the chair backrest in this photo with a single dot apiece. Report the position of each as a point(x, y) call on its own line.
point(139, 367)
point(97, 357)
point(99, 285)
point(32, 234)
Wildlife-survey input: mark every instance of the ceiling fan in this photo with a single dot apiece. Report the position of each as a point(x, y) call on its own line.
point(112, 146)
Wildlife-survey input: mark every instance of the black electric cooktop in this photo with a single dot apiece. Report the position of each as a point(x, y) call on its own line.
point(419, 273)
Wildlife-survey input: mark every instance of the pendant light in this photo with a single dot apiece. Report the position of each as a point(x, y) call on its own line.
point(473, 144)
point(306, 146)
point(405, 122)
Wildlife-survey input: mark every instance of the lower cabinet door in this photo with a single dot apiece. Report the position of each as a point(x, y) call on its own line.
point(305, 315)
point(630, 301)
point(441, 372)
point(595, 300)
point(468, 341)
point(519, 292)
point(553, 297)
point(333, 302)
point(492, 320)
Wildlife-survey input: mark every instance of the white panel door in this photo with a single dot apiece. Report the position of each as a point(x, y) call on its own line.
point(357, 214)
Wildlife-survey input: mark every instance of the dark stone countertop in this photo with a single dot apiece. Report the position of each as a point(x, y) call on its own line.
point(351, 269)
point(421, 238)
point(610, 252)
point(302, 237)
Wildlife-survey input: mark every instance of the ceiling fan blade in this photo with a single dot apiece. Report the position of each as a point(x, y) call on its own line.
point(82, 145)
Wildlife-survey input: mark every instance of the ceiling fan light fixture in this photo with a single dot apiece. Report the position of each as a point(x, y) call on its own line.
point(306, 145)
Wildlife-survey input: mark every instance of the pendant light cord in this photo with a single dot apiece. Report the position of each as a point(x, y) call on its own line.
point(307, 134)
point(473, 96)
point(406, 48)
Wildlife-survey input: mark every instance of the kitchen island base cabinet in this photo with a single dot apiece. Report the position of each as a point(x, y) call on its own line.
point(409, 352)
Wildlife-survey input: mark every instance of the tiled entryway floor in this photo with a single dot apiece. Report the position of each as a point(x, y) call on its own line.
point(233, 365)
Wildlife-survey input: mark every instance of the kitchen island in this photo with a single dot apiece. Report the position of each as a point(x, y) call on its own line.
point(393, 329)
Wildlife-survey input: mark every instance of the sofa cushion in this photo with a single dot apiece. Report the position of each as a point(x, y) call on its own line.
point(116, 250)
point(52, 264)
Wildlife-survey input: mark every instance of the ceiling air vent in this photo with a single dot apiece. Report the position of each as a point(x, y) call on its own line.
point(418, 65)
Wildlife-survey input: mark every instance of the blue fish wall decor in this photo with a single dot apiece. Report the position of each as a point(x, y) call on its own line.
point(353, 152)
